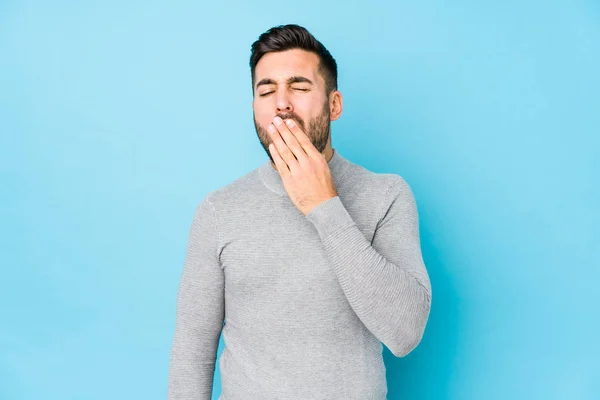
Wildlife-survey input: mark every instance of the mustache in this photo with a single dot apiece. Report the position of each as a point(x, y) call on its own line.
point(292, 116)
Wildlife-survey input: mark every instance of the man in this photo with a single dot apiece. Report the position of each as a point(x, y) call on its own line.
point(312, 261)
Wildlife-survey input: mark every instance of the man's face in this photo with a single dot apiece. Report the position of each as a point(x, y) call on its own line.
point(288, 84)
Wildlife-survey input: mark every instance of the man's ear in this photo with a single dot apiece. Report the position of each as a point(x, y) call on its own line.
point(336, 105)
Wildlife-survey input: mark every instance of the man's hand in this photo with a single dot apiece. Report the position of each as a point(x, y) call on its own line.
point(303, 169)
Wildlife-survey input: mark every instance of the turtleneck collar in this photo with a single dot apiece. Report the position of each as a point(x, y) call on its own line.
point(271, 178)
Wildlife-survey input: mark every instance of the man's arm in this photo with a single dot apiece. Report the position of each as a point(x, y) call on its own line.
point(199, 312)
point(386, 283)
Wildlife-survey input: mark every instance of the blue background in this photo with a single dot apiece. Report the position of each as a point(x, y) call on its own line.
point(116, 119)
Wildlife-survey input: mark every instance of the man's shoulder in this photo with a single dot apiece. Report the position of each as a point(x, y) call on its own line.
point(238, 188)
point(366, 179)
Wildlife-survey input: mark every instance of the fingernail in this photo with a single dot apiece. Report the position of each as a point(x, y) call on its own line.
point(271, 128)
point(277, 121)
point(289, 123)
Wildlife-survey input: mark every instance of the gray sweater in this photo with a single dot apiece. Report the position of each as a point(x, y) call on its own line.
point(303, 302)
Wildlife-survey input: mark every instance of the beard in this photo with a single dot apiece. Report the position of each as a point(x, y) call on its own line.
point(318, 131)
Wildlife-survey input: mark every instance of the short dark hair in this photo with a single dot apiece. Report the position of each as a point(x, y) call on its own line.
point(291, 36)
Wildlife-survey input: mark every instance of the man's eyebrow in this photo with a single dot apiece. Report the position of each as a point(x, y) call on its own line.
point(292, 79)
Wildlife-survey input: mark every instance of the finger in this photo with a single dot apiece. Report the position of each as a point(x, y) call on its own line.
point(282, 167)
point(282, 148)
point(302, 139)
point(290, 140)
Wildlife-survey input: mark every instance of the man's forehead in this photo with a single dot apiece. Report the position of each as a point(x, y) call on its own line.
point(284, 64)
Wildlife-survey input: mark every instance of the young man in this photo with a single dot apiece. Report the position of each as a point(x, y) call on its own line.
point(313, 261)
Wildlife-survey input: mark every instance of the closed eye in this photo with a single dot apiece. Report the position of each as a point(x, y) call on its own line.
point(300, 89)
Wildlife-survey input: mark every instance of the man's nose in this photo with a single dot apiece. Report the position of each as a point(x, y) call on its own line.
point(283, 102)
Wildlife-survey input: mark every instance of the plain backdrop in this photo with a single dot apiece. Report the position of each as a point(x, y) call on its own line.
point(117, 118)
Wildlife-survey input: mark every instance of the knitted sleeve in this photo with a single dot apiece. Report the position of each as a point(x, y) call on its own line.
point(199, 311)
point(385, 281)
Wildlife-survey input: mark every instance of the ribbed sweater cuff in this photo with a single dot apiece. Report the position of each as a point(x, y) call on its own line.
point(330, 216)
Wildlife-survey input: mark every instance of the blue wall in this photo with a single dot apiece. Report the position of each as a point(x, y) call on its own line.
point(116, 120)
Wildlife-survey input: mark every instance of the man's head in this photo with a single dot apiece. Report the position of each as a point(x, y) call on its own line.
point(294, 76)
